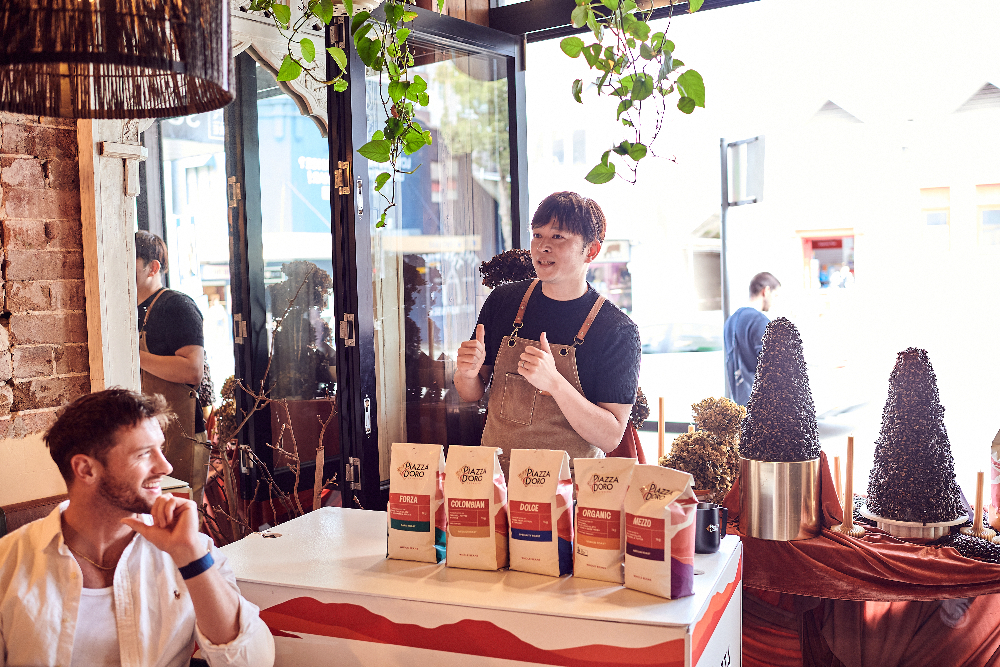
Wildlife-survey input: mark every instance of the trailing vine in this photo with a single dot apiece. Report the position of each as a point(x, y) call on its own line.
point(638, 68)
point(382, 45)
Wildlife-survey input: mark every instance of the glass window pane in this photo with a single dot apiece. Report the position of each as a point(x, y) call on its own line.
point(298, 262)
point(196, 228)
point(452, 212)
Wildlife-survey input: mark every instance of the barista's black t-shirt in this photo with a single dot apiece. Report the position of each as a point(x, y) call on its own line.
point(607, 361)
point(174, 322)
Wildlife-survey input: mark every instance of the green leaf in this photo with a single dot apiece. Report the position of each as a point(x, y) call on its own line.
point(592, 53)
point(290, 69)
point(378, 136)
point(282, 14)
point(622, 148)
point(645, 52)
point(640, 29)
point(418, 85)
point(690, 84)
point(571, 46)
point(325, 13)
point(579, 16)
point(397, 89)
point(413, 142)
point(686, 104)
point(394, 127)
point(601, 81)
point(695, 5)
point(623, 106)
point(358, 20)
point(339, 57)
point(367, 50)
point(627, 123)
point(578, 90)
point(594, 26)
point(393, 13)
point(349, 7)
point(381, 220)
point(381, 180)
point(423, 99)
point(637, 152)
point(602, 173)
point(440, 6)
point(393, 69)
point(666, 67)
point(377, 150)
point(610, 4)
point(340, 85)
point(669, 46)
point(409, 16)
point(629, 6)
point(308, 49)
point(642, 88)
point(361, 32)
point(678, 63)
point(402, 34)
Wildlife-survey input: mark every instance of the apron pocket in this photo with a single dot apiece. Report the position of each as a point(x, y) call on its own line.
point(518, 403)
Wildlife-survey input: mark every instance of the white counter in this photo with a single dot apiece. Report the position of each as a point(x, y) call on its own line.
point(327, 591)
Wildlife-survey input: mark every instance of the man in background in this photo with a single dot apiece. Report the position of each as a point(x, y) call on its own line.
point(743, 336)
point(172, 360)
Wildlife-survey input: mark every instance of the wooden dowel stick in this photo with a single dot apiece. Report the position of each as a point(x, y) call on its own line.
point(837, 480)
point(849, 486)
point(661, 430)
point(977, 520)
point(690, 428)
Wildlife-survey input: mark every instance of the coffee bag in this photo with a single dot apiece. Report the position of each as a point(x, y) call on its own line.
point(417, 518)
point(541, 521)
point(476, 497)
point(659, 532)
point(600, 518)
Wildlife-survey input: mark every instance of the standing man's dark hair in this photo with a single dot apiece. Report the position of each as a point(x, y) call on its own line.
point(90, 424)
point(762, 280)
point(574, 213)
point(149, 246)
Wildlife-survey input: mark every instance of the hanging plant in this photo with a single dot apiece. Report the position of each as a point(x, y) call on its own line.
point(638, 68)
point(382, 44)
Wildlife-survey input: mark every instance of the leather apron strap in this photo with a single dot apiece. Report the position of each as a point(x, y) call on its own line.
point(521, 416)
point(179, 434)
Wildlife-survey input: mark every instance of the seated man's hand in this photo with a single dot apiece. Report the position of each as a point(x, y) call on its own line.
point(538, 367)
point(472, 354)
point(174, 529)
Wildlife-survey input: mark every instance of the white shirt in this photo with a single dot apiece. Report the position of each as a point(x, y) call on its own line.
point(40, 589)
point(96, 641)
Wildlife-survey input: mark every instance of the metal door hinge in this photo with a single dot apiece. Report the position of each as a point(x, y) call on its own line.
point(368, 416)
point(337, 30)
point(353, 472)
point(342, 177)
point(239, 329)
point(347, 329)
point(234, 192)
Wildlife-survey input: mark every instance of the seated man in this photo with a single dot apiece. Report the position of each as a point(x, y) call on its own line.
point(119, 574)
point(563, 362)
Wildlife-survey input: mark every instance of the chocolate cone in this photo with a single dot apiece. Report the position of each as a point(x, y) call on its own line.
point(913, 476)
point(781, 419)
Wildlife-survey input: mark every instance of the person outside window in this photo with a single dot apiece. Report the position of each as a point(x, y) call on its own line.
point(119, 574)
point(562, 360)
point(743, 336)
point(172, 360)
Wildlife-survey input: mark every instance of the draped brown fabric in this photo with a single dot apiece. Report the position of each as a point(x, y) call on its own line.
point(875, 567)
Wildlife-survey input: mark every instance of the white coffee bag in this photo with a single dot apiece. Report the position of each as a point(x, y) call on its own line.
point(475, 494)
point(659, 532)
point(417, 518)
point(600, 517)
point(540, 496)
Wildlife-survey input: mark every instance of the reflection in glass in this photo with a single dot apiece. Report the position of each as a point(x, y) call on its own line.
point(452, 212)
point(298, 261)
point(196, 228)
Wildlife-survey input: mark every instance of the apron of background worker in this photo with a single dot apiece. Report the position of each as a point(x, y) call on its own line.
point(183, 448)
point(522, 417)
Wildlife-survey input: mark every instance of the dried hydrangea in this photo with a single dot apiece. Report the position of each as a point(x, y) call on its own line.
point(640, 409)
point(507, 267)
point(913, 472)
point(780, 424)
point(710, 454)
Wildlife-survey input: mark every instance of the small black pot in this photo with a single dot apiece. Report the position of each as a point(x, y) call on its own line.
point(709, 528)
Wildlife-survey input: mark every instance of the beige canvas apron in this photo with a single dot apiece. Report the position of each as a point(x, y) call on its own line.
point(522, 417)
point(189, 459)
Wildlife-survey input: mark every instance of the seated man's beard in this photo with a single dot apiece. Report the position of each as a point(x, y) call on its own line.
point(121, 495)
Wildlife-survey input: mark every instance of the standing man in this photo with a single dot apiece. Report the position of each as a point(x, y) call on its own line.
point(564, 362)
point(119, 574)
point(172, 360)
point(743, 336)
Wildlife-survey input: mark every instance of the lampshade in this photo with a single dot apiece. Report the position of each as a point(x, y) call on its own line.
point(114, 58)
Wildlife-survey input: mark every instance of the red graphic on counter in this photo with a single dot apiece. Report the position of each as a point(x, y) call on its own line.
point(706, 626)
point(410, 511)
point(599, 528)
point(468, 517)
point(476, 638)
point(644, 537)
point(531, 516)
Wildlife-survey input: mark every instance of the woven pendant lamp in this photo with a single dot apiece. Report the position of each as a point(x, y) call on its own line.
point(114, 58)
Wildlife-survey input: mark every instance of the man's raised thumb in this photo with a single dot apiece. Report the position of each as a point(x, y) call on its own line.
point(136, 525)
point(545, 343)
point(481, 333)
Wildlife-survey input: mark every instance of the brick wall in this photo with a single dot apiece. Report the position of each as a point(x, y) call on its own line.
point(43, 326)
